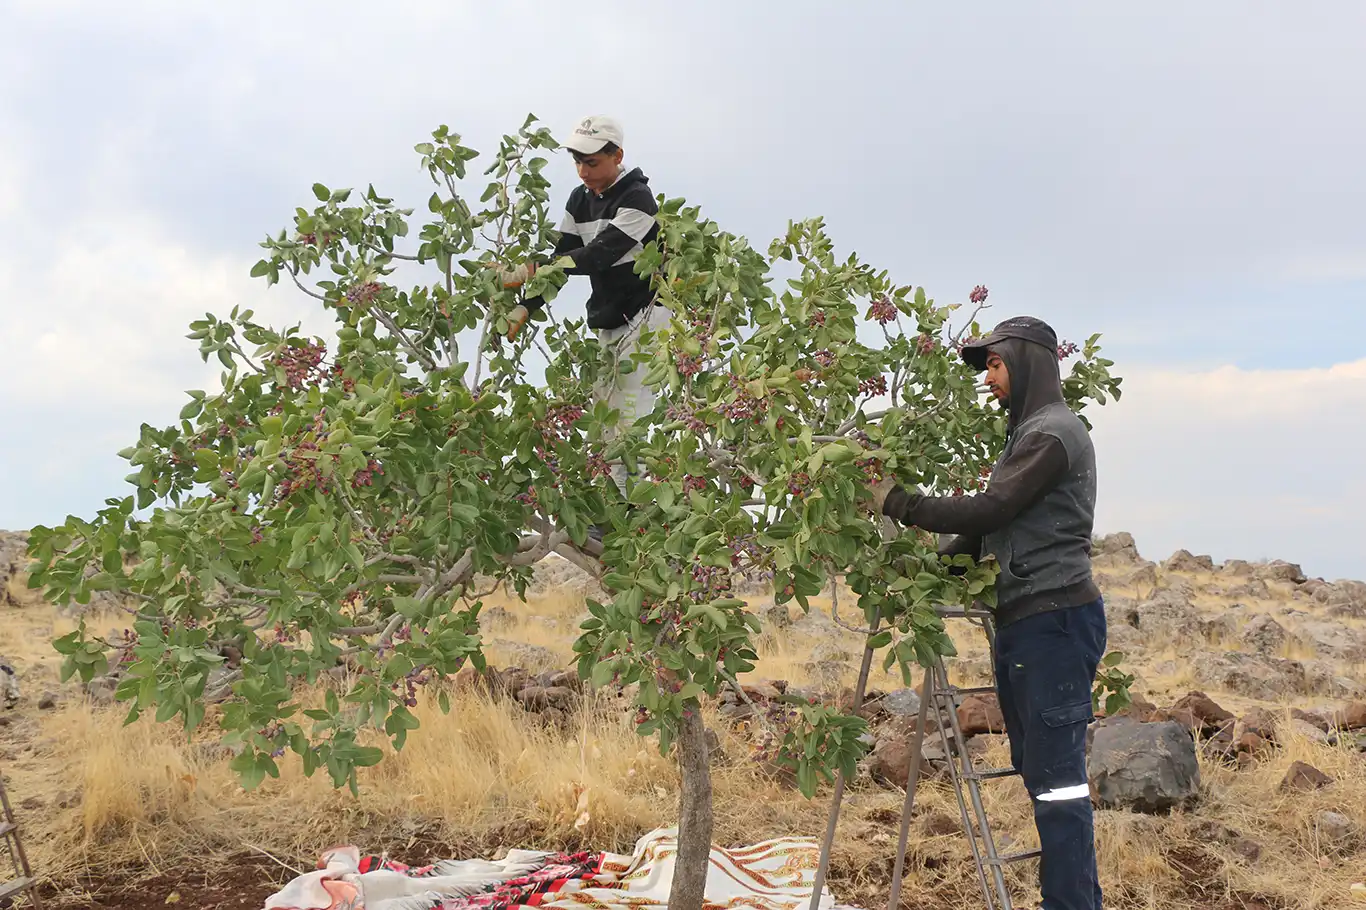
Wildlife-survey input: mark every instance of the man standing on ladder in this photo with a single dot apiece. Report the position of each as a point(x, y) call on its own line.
point(1035, 517)
point(608, 220)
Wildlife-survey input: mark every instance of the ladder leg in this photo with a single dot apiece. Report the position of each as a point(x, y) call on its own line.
point(955, 750)
point(823, 867)
point(959, 759)
point(912, 780)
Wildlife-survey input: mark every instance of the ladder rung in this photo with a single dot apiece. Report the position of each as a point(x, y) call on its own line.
point(14, 886)
point(991, 773)
point(7, 827)
point(971, 690)
point(1013, 858)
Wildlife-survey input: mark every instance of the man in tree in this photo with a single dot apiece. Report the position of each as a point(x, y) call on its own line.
point(1035, 517)
point(608, 220)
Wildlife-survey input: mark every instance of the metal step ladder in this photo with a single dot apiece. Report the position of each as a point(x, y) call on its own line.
point(941, 696)
point(944, 698)
point(23, 886)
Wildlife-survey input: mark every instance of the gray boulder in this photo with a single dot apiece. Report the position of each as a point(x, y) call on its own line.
point(1169, 617)
point(1264, 635)
point(1184, 561)
point(1251, 675)
point(1117, 548)
point(1144, 767)
point(776, 617)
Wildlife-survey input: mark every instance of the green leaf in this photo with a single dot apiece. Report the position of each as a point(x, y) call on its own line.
point(321, 192)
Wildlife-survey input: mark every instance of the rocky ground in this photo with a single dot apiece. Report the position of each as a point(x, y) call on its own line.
point(1237, 778)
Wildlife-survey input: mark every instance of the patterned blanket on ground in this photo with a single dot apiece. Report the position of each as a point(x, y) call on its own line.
point(773, 875)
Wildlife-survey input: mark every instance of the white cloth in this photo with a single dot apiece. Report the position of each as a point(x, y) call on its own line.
point(627, 392)
point(340, 883)
point(773, 875)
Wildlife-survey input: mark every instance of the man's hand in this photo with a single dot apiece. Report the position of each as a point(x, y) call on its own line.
point(879, 493)
point(517, 318)
point(516, 277)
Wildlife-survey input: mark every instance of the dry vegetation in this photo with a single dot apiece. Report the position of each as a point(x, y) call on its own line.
point(99, 799)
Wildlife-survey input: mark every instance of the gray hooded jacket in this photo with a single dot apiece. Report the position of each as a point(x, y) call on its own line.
point(1037, 512)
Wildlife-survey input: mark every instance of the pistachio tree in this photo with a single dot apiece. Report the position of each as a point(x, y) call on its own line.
point(340, 501)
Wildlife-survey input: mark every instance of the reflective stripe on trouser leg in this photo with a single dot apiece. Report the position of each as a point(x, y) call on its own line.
point(1080, 791)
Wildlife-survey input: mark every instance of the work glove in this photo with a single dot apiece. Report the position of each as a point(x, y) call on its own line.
point(879, 493)
point(517, 318)
point(516, 277)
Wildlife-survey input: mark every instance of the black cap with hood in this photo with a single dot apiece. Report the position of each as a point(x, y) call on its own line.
point(1029, 348)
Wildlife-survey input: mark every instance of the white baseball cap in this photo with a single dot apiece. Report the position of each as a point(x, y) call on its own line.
point(592, 133)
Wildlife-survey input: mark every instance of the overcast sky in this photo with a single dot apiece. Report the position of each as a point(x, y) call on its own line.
point(1185, 178)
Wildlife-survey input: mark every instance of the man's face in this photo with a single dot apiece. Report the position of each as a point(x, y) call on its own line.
point(598, 171)
point(998, 378)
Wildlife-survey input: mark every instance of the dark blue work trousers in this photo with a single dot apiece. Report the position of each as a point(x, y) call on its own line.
point(1045, 668)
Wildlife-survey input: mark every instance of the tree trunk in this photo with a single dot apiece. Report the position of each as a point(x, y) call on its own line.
point(694, 813)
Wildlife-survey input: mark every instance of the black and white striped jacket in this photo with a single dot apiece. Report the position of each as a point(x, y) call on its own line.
point(604, 235)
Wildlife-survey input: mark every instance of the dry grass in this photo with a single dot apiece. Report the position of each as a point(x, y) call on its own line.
point(488, 775)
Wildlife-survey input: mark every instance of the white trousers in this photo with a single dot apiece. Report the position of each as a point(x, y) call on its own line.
point(627, 392)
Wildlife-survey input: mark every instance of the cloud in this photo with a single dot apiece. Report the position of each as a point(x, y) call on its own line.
point(1238, 463)
point(96, 347)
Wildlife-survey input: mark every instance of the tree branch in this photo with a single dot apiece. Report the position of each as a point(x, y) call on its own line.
point(582, 560)
point(383, 252)
point(403, 339)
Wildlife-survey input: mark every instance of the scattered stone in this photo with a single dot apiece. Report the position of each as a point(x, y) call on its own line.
point(902, 703)
point(831, 652)
point(816, 622)
point(1280, 570)
point(1251, 744)
point(1144, 577)
point(1255, 589)
point(532, 658)
point(494, 618)
point(1333, 639)
point(1248, 849)
point(1308, 732)
point(1320, 718)
point(539, 698)
point(1353, 717)
point(13, 562)
point(1312, 587)
point(1323, 677)
point(980, 714)
point(1204, 709)
point(1226, 626)
point(211, 752)
point(1264, 636)
point(1237, 567)
point(1184, 561)
point(31, 804)
point(1260, 723)
point(1333, 827)
point(1139, 709)
point(764, 689)
point(1147, 767)
point(890, 761)
point(776, 617)
point(1169, 617)
point(1220, 746)
point(1303, 776)
point(1118, 547)
point(47, 701)
point(1251, 675)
